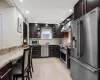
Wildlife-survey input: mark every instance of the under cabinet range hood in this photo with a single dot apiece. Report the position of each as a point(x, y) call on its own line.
point(67, 27)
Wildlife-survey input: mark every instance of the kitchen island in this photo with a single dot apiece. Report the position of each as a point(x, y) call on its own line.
point(6, 62)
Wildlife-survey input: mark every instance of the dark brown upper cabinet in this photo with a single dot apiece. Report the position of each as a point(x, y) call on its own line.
point(84, 6)
point(33, 31)
point(91, 4)
point(79, 9)
point(58, 32)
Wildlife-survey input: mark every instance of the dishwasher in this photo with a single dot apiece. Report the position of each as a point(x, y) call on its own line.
point(44, 50)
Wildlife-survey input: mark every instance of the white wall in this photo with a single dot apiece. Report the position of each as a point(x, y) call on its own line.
point(10, 35)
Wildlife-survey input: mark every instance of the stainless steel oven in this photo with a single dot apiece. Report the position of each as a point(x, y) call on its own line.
point(63, 54)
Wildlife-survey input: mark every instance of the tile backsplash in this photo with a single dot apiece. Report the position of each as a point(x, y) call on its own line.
point(44, 41)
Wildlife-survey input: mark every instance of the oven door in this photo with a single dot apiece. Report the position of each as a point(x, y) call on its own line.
point(63, 55)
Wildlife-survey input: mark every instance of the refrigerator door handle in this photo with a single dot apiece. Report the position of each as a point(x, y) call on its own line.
point(85, 65)
point(74, 43)
point(80, 35)
point(78, 40)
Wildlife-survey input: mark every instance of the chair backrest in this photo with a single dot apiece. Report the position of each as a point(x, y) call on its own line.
point(31, 52)
point(30, 55)
point(25, 59)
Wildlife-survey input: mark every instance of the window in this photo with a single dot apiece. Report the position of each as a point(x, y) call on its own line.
point(46, 33)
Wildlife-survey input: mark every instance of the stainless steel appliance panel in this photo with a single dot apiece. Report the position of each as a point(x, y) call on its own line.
point(80, 72)
point(89, 38)
point(74, 39)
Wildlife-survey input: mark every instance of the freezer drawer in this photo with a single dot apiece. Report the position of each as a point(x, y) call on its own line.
point(80, 71)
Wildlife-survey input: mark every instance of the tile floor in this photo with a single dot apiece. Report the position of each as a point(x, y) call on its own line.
point(50, 69)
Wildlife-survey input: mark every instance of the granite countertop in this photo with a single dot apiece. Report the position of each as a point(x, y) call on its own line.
point(10, 56)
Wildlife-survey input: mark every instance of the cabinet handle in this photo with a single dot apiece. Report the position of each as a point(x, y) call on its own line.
point(1, 77)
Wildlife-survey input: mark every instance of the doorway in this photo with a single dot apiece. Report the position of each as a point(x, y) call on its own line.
point(25, 32)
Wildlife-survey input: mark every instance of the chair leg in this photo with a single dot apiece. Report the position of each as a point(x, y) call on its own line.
point(16, 78)
point(26, 78)
point(28, 75)
point(32, 66)
point(13, 78)
point(23, 77)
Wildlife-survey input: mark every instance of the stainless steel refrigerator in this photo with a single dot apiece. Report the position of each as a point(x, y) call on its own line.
point(85, 51)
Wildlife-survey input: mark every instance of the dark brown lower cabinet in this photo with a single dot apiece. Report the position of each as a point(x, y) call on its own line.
point(36, 52)
point(51, 51)
point(54, 51)
point(6, 72)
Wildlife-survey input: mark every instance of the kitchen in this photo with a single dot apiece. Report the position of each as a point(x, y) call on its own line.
point(62, 38)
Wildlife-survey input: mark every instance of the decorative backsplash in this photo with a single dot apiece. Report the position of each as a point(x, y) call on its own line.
point(44, 41)
point(5, 50)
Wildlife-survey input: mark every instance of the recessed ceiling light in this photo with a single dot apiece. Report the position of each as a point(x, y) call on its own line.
point(46, 24)
point(68, 19)
point(21, 0)
point(35, 22)
point(62, 19)
point(58, 24)
point(27, 12)
point(70, 10)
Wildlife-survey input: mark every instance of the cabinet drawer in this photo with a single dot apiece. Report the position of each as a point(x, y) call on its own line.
point(6, 72)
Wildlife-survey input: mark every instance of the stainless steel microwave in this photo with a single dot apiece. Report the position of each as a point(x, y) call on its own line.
point(35, 42)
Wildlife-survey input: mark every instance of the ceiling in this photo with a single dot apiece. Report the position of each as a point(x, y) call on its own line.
point(45, 11)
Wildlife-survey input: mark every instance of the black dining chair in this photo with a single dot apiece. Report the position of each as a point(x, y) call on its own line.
point(30, 62)
point(21, 69)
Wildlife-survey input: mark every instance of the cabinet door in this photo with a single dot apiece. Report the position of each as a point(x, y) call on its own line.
point(91, 4)
point(32, 31)
point(59, 34)
point(79, 9)
point(57, 51)
point(36, 52)
point(51, 51)
point(8, 76)
point(6, 72)
point(54, 51)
